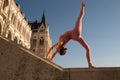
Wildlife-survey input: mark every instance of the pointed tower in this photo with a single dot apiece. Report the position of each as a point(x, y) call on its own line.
point(40, 40)
point(43, 19)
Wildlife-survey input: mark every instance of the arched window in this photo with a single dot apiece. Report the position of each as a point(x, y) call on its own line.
point(9, 35)
point(6, 3)
point(41, 41)
point(16, 40)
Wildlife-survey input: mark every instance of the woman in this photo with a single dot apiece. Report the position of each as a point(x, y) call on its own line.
point(74, 34)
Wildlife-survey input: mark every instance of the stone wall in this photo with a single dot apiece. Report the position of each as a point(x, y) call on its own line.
point(93, 74)
point(17, 63)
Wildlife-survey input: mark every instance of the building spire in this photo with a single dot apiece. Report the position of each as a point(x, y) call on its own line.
point(43, 19)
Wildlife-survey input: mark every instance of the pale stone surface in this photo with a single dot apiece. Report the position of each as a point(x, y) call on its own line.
point(17, 63)
point(93, 74)
point(13, 23)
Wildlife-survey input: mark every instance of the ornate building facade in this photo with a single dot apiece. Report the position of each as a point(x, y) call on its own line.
point(40, 39)
point(13, 24)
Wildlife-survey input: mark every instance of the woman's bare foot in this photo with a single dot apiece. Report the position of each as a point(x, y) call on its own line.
point(91, 66)
point(83, 4)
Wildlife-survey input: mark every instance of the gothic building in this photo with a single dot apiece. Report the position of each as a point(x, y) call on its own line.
point(40, 39)
point(13, 24)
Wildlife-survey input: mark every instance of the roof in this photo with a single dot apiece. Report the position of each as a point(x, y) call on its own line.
point(36, 24)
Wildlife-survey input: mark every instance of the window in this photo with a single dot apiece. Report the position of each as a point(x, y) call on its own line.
point(16, 40)
point(33, 50)
point(42, 30)
point(35, 30)
point(41, 41)
point(6, 3)
point(34, 42)
point(9, 35)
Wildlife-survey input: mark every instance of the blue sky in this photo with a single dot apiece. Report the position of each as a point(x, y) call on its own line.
point(101, 28)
